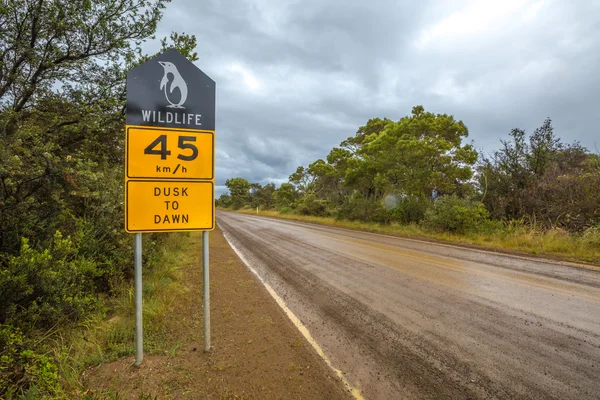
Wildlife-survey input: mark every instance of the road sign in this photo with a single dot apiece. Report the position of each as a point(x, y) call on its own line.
point(169, 146)
point(169, 162)
point(167, 153)
point(169, 205)
point(170, 91)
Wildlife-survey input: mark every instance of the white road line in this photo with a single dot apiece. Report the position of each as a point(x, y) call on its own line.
point(296, 321)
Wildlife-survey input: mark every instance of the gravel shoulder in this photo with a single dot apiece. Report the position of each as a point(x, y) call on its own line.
point(257, 352)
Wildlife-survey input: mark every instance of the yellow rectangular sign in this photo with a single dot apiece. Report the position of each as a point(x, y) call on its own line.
point(169, 179)
point(166, 205)
point(169, 153)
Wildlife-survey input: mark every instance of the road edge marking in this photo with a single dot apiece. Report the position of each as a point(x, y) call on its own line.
point(296, 321)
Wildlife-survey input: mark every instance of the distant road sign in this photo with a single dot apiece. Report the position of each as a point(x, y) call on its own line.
point(170, 145)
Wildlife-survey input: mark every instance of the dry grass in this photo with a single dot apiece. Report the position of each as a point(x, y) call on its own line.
point(554, 243)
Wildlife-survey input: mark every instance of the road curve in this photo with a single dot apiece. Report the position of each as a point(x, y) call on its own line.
point(407, 319)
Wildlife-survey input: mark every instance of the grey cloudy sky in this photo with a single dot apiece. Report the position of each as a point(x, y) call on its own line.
point(295, 78)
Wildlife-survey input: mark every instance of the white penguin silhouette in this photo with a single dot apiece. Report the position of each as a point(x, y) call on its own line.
point(177, 82)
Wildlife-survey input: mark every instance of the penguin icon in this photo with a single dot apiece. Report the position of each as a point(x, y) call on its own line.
point(177, 82)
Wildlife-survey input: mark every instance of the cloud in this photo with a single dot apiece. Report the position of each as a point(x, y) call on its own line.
point(295, 78)
point(478, 18)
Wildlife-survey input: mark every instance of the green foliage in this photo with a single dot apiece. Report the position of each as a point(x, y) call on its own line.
point(302, 180)
point(285, 196)
point(328, 176)
point(542, 179)
point(453, 214)
point(419, 155)
point(239, 190)
point(286, 210)
point(393, 171)
point(372, 128)
point(223, 201)
point(245, 194)
point(311, 205)
point(44, 42)
point(362, 209)
point(43, 287)
point(410, 209)
point(62, 100)
point(262, 196)
point(25, 370)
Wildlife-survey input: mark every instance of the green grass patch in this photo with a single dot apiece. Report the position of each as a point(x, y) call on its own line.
point(67, 351)
point(554, 243)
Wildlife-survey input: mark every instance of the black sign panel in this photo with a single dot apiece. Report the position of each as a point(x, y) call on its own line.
point(170, 91)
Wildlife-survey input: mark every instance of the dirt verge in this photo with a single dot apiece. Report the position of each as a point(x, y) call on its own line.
point(256, 350)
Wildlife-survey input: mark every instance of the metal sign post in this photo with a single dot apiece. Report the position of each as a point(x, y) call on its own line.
point(139, 326)
point(206, 290)
point(169, 161)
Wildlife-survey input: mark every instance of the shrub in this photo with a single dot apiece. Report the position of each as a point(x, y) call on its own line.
point(286, 210)
point(363, 209)
point(42, 287)
point(453, 214)
point(409, 210)
point(311, 205)
point(25, 369)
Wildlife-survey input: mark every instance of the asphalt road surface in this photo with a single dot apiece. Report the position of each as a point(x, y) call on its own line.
point(407, 319)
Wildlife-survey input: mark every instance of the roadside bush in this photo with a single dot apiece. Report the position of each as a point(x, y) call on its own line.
point(25, 371)
point(453, 214)
point(42, 287)
point(362, 209)
point(286, 210)
point(224, 201)
point(311, 205)
point(410, 210)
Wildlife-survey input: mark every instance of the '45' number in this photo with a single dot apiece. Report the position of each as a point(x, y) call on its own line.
point(161, 143)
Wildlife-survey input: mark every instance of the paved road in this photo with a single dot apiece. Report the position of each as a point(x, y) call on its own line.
point(407, 319)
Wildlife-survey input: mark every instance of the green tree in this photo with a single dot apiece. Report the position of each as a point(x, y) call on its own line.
point(239, 190)
point(302, 180)
point(78, 44)
point(543, 148)
point(420, 155)
point(223, 201)
point(61, 105)
point(263, 197)
point(62, 113)
point(254, 198)
point(358, 171)
point(326, 180)
point(285, 196)
point(373, 127)
point(541, 179)
point(415, 159)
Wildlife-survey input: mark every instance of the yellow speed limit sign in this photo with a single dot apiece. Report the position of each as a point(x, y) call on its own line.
point(169, 146)
point(169, 153)
point(169, 179)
